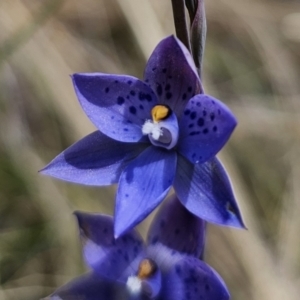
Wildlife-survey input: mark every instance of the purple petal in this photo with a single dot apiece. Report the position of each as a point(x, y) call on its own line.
point(118, 105)
point(90, 287)
point(172, 74)
point(205, 127)
point(175, 227)
point(114, 259)
point(94, 160)
point(205, 190)
point(142, 186)
point(192, 279)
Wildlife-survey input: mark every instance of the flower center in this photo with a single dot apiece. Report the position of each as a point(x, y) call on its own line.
point(137, 284)
point(134, 285)
point(163, 128)
point(160, 112)
point(147, 268)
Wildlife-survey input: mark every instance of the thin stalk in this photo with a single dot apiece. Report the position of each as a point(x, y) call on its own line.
point(181, 27)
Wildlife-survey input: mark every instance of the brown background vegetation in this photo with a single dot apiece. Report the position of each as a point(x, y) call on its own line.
point(251, 63)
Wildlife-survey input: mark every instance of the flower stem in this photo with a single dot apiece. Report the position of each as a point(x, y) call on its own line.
point(196, 9)
point(180, 22)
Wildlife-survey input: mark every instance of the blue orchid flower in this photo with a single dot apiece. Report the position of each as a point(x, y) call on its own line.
point(153, 134)
point(167, 268)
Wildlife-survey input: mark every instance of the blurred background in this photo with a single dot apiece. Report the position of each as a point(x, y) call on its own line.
point(251, 63)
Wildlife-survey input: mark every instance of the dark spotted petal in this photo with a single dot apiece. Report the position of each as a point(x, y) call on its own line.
point(118, 105)
point(94, 160)
point(91, 287)
point(175, 227)
point(192, 279)
point(142, 186)
point(205, 190)
point(111, 258)
point(205, 127)
point(172, 74)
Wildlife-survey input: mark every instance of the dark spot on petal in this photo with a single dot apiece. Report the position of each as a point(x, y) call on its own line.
point(213, 102)
point(169, 95)
point(191, 125)
point(187, 112)
point(126, 195)
point(120, 100)
point(204, 113)
point(129, 82)
point(106, 90)
point(219, 111)
point(164, 70)
point(112, 117)
point(201, 122)
point(127, 97)
point(141, 106)
point(116, 81)
point(189, 89)
point(184, 96)
point(205, 131)
point(154, 240)
point(105, 230)
point(167, 87)
point(136, 250)
point(212, 116)
point(147, 80)
point(125, 129)
point(193, 115)
point(215, 128)
point(207, 288)
point(159, 90)
point(198, 104)
point(229, 207)
point(142, 96)
point(126, 257)
point(132, 93)
point(178, 270)
point(153, 69)
point(148, 97)
point(132, 109)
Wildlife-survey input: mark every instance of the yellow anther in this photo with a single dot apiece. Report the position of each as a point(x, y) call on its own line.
point(146, 268)
point(159, 112)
